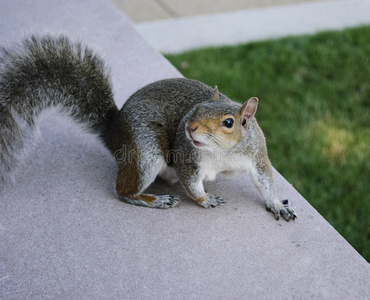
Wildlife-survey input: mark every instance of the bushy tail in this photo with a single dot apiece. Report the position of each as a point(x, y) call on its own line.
point(45, 72)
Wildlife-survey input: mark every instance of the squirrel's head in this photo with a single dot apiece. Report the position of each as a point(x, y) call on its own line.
point(218, 125)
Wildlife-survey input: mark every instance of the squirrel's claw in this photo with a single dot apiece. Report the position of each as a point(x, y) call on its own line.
point(288, 213)
point(211, 201)
point(153, 201)
point(166, 201)
point(285, 210)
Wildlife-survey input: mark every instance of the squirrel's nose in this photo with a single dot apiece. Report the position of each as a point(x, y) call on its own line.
point(193, 127)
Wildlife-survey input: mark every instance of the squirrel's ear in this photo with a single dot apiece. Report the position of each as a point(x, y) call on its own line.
point(215, 94)
point(248, 110)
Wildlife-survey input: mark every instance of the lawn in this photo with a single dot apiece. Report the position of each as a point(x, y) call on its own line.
point(314, 111)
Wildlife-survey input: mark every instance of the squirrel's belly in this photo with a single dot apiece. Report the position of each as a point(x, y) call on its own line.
point(231, 173)
point(226, 167)
point(210, 175)
point(210, 171)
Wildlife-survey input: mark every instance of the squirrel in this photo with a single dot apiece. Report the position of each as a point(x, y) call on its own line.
point(178, 129)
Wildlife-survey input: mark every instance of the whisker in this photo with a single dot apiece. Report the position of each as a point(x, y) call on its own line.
point(217, 141)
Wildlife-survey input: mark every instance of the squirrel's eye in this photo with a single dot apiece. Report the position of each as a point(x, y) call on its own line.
point(228, 123)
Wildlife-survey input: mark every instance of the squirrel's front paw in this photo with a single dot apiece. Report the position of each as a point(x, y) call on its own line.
point(209, 201)
point(282, 209)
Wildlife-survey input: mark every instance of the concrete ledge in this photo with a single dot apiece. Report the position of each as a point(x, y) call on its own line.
point(63, 234)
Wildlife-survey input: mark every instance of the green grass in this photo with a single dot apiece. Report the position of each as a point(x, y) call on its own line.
point(314, 109)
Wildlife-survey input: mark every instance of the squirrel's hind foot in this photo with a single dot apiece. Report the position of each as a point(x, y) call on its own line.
point(153, 201)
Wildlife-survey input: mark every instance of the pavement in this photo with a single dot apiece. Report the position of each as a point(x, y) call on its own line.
point(153, 10)
point(175, 26)
point(64, 235)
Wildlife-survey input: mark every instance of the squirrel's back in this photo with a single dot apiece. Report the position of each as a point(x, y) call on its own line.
point(166, 102)
point(45, 72)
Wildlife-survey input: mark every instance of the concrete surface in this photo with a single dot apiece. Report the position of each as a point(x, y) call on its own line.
point(149, 10)
point(242, 26)
point(63, 234)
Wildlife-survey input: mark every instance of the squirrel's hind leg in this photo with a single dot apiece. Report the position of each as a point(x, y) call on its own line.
point(134, 177)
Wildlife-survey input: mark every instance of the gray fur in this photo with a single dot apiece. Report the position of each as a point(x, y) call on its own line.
point(159, 112)
point(45, 72)
point(149, 134)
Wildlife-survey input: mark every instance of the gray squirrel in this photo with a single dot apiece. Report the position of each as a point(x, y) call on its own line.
point(178, 129)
